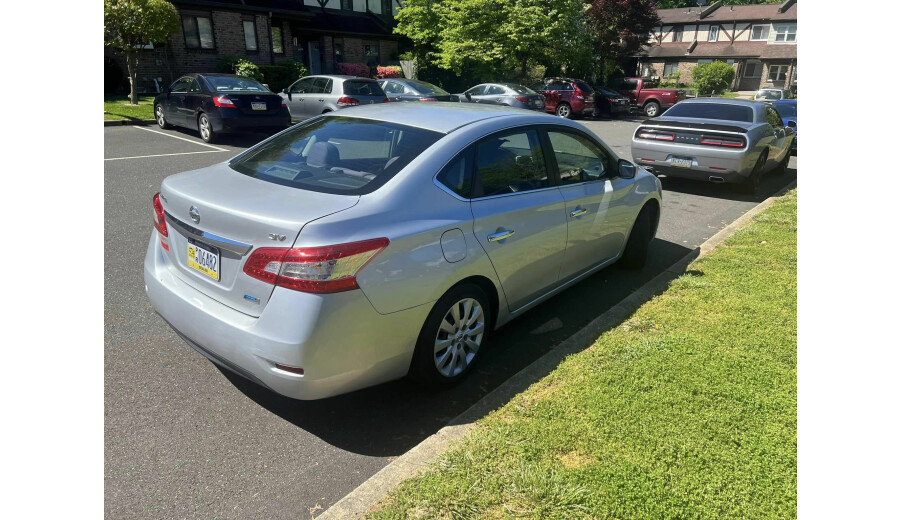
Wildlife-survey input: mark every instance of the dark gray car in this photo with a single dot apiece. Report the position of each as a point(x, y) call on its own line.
point(314, 95)
point(399, 89)
point(505, 94)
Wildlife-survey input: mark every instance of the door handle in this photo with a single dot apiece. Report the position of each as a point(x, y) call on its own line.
point(503, 235)
point(321, 100)
point(577, 213)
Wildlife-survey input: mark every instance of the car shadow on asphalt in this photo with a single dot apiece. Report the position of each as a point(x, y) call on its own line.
point(769, 185)
point(389, 419)
point(242, 140)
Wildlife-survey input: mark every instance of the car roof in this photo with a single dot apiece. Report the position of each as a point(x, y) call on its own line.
point(443, 117)
point(784, 102)
point(336, 76)
point(725, 101)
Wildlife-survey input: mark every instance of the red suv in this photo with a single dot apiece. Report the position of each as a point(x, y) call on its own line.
point(566, 97)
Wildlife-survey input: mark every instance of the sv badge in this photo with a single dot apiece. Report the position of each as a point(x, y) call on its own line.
point(276, 236)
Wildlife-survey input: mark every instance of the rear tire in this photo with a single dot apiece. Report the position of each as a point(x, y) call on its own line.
point(751, 185)
point(651, 109)
point(564, 110)
point(781, 169)
point(206, 131)
point(638, 247)
point(452, 338)
point(161, 118)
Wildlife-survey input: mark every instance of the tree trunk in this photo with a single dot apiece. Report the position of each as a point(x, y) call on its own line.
point(132, 60)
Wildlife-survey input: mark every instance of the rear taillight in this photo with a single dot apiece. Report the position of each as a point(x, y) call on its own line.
point(386, 100)
point(222, 101)
point(659, 136)
point(321, 270)
point(159, 217)
point(721, 141)
point(284, 104)
point(347, 102)
point(427, 99)
point(579, 96)
point(611, 100)
point(523, 99)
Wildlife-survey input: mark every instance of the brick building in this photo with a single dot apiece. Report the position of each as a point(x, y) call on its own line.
point(268, 31)
point(759, 41)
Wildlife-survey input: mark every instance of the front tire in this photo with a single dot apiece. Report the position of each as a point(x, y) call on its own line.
point(564, 110)
point(651, 109)
point(452, 338)
point(161, 118)
point(206, 131)
point(637, 248)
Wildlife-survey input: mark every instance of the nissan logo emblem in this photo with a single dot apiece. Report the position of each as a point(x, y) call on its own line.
point(195, 214)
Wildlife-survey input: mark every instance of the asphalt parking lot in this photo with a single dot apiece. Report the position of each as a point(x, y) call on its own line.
point(186, 440)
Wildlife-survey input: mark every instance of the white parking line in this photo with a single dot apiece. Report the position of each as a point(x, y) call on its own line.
point(216, 148)
point(162, 155)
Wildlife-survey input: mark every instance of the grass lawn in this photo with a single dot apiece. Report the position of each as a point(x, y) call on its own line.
point(118, 107)
point(686, 410)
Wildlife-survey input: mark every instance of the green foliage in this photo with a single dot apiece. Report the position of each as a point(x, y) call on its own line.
point(280, 76)
point(227, 63)
point(712, 78)
point(296, 70)
point(620, 28)
point(248, 69)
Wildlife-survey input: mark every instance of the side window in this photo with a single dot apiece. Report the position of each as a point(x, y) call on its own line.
point(302, 87)
point(181, 85)
point(321, 86)
point(773, 118)
point(510, 163)
point(631, 84)
point(391, 87)
point(194, 87)
point(476, 91)
point(457, 176)
point(567, 86)
point(577, 158)
point(495, 90)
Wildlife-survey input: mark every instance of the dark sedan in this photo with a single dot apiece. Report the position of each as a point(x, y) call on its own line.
point(398, 89)
point(609, 102)
point(215, 104)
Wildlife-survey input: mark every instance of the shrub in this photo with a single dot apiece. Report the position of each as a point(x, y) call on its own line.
point(712, 78)
point(227, 63)
point(354, 69)
point(391, 71)
point(248, 69)
point(296, 70)
point(278, 77)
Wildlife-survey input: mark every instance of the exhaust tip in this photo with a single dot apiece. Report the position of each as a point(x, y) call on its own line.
point(716, 179)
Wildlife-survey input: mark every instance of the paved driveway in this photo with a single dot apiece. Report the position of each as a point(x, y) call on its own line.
point(185, 440)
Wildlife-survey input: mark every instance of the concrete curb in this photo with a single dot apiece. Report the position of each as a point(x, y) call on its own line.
point(362, 499)
point(123, 122)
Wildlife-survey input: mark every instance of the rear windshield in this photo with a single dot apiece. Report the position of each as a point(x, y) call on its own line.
point(721, 111)
point(584, 87)
point(786, 109)
point(520, 89)
point(428, 88)
point(769, 94)
point(226, 84)
point(341, 155)
point(606, 92)
point(358, 87)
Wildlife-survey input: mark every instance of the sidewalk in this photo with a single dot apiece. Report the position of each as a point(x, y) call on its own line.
point(688, 408)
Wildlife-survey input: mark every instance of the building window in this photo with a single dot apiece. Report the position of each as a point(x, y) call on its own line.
point(198, 32)
point(277, 44)
point(677, 34)
point(250, 35)
point(347, 5)
point(777, 73)
point(387, 7)
point(339, 52)
point(753, 69)
point(371, 54)
point(786, 33)
point(759, 32)
point(704, 61)
point(713, 33)
point(670, 69)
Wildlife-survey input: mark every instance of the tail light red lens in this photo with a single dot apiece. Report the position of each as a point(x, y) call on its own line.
point(320, 270)
point(347, 102)
point(159, 217)
point(659, 136)
point(722, 141)
point(222, 101)
point(523, 99)
point(427, 99)
point(284, 104)
point(386, 100)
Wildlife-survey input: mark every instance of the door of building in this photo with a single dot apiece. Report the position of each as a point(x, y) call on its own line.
point(315, 58)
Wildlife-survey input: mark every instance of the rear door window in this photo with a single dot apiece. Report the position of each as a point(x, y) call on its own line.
point(457, 176)
point(509, 163)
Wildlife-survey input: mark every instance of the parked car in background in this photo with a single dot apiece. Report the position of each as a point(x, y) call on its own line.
point(609, 102)
point(566, 97)
point(506, 94)
point(413, 90)
point(364, 245)
point(314, 95)
point(772, 94)
point(216, 104)
point(787, 109)
point(644, 96)
point(719, 140)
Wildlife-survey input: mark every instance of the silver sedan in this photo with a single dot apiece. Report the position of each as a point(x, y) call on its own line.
point(361, 246)
point(719, 140)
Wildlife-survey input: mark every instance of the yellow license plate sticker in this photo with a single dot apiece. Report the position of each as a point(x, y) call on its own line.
point(204, 261)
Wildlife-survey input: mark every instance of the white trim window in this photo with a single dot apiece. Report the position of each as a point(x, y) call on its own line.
point(677, 34)
point(786, 33)
point(759, 33)
point(250, 35)
point(713, 33)
point(670, 69)
point(753, 69)
point(777, 73)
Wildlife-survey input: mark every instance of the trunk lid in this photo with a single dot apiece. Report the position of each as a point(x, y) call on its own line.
point(233, 215)
point(245, 102)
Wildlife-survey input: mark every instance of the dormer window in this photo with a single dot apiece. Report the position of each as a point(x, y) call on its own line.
point(677, 34)
point(714, 33)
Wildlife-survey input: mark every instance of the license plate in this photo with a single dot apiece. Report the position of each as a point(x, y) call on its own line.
point(258, 106)
point(203, 258)
point(681, 162)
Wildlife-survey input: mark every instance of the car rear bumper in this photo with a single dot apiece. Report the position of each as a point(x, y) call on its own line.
point(340, 340)
point(707, 163)
point(233, 120)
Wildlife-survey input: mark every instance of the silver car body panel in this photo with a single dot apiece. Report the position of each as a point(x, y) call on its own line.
point(350, 340)
point(305, 105)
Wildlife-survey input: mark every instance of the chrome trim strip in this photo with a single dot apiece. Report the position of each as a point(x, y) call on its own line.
point(209, 238)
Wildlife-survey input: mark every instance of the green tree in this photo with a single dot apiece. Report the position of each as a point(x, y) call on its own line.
point(620, 28)
point(129, 25)
point(712, 78)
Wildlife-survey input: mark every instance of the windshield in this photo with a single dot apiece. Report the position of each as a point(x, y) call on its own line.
point(341, 155)
point(428, 88)
point(229, 84)
point(722, 111)
point(519, 89)
point(606, 92)
point(358, 87)
point(787, 109)
point(769, 94)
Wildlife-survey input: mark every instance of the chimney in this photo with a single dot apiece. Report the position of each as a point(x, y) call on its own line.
point(708, 11)
point(786, 5)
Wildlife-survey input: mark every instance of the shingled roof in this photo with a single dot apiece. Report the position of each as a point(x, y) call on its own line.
point(730, 13)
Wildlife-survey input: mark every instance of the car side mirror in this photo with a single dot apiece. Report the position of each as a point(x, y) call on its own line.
point(524, 160)
point(469, 96)
point(792, 124)
point(627, 170)
point(165, 90)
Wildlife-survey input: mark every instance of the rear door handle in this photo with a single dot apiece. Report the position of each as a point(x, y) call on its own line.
point(577, 213)
point(503, 235)
point(321, 100)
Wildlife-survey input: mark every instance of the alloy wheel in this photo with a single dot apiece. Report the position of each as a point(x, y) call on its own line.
point(459, 337)
point(160, 118)
point(204, 127)
point(562, 111)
